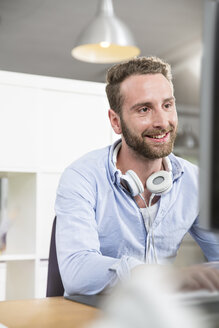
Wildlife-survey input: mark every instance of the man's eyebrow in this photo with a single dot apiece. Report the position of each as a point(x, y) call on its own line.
point(170, 99)
point(148, 103)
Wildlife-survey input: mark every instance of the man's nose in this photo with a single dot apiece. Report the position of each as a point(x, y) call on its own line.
point(160, 119)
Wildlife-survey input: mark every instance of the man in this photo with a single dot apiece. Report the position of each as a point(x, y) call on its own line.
point(109, 222)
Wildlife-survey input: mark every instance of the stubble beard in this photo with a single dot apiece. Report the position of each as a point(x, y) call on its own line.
point(141, 147)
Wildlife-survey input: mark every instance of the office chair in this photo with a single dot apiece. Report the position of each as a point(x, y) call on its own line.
point(54, 281)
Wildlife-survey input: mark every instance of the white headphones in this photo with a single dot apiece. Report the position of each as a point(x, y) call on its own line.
point(158, 183)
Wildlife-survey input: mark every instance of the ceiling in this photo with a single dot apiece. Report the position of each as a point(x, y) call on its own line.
point(36, 36)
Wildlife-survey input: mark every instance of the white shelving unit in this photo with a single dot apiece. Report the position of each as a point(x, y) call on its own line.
point(46, 123)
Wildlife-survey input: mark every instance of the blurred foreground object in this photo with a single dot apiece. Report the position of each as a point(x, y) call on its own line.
point(149, 299)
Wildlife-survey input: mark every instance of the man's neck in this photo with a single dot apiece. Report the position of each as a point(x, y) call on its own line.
point(128, 159)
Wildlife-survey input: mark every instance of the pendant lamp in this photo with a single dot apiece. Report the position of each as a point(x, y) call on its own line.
point(106, 39)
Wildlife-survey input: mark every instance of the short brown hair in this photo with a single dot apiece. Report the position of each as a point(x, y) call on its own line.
point(136, 66)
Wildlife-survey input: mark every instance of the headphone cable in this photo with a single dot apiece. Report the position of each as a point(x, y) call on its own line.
point(150, 232)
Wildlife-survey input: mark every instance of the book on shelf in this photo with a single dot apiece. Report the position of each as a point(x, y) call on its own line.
point(4, 222)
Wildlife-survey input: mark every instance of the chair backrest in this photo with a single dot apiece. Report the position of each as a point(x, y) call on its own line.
point(54, 281)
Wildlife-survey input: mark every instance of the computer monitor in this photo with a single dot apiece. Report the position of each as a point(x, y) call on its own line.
point(209, 127)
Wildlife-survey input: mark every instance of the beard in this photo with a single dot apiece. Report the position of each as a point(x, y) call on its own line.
point(142, 147)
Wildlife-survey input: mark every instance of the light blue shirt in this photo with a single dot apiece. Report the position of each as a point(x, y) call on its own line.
point(101, 235)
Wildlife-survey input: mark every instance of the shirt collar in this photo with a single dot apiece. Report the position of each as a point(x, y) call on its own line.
point(177, 168)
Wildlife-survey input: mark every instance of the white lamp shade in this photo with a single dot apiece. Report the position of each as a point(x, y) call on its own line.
point(105, 40)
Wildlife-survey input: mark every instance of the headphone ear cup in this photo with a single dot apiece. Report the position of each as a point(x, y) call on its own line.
point(159, 182)
point(132, 182)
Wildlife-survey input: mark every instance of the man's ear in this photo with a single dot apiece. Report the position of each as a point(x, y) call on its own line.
point(115, 121)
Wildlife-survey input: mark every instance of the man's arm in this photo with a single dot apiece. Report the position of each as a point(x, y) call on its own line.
point(198, 277)
point(83, 268)
point(207, 240)
point(188, 278)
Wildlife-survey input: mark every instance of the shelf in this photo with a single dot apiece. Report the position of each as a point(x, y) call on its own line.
point(17, 257)
point(186, 151)
point(191, 155)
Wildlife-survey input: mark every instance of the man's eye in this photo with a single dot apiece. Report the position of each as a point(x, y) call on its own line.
point(168, 105)
point(144, 109)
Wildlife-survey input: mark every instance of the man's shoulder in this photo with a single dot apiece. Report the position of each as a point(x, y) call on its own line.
point(86, 170)
point(91, 160)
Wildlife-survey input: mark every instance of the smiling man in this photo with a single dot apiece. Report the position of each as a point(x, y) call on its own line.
point(131, 203)
point(150, 105)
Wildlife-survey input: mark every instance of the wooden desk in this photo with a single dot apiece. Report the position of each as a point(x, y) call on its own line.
point(45, 313)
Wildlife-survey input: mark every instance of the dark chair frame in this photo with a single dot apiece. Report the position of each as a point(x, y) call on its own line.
point(54, 281)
